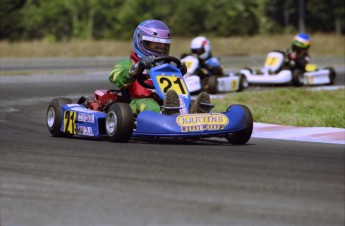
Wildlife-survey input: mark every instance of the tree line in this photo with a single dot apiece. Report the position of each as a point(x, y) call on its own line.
point(57, 20)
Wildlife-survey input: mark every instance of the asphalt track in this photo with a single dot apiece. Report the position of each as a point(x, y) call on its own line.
point(57, 181)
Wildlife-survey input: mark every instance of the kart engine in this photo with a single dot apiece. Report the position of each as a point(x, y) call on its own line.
point(102, 99)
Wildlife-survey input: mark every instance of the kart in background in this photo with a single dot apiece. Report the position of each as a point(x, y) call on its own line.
point(275, 71)
point(109, 114)
point(213, 84)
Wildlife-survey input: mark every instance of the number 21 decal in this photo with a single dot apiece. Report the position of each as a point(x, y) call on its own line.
point(171, 82)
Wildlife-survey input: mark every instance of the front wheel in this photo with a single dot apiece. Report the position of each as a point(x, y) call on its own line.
point(242, 136)
point(55, 117)
point(119, 122)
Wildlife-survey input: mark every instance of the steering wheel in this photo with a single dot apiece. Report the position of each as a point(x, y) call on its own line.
point(162, 59)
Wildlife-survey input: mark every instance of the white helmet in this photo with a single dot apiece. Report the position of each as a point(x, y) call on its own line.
point(201, 46)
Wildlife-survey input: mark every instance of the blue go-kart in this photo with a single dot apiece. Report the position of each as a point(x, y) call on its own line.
point(109, 114)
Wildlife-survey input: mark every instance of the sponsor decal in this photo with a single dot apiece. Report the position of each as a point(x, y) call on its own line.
point(201, 122)
point(81, 109)
point(233, 85)
point(153, 39)
point(310, 79)
point(84, 130)
point(83, 117)
point(183, 109)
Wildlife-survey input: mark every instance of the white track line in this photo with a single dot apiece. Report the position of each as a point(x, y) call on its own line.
point(311, 134)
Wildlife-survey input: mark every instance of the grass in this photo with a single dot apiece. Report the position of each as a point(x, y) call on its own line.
point(291, 106)
point(322, 45)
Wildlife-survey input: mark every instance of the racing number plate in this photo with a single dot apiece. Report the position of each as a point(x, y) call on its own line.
point(172, 82)
point(188, 64)
point(69, 122)
point(271, 61)
point(233, 85)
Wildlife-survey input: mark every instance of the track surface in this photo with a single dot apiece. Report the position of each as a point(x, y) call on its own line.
point(54, 181)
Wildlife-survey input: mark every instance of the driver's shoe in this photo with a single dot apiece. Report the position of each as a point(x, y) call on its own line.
point(171, 103)
point(202, 104)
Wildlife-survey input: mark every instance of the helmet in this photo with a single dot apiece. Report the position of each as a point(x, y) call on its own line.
point(151, 37)
point(201, 46)
point(301, 41)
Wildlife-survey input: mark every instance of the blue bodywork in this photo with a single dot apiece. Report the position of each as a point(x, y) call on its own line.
point(159, 77)
point(191, 125)
point(78, 120)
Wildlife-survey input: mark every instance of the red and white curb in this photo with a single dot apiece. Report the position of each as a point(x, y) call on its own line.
point(311, 134)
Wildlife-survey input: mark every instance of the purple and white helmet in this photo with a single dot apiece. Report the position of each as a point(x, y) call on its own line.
point(151, 37)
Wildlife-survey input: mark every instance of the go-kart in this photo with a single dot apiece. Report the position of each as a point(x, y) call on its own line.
point(213, 84)
point(109, 114)
point(275, 71)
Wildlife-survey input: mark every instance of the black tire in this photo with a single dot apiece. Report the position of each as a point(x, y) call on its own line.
point(54, 116)
point(331, 75)
point(297, 77)
point(243, 136)
point(213, 84)
point(119, 122)
point(243, 83)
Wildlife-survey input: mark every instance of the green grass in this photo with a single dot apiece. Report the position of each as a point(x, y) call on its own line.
point(291, 106)
point(322, 45)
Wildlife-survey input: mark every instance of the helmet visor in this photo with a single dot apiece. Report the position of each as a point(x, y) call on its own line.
point(198, 51)
point(298, 45)
point(157, 47)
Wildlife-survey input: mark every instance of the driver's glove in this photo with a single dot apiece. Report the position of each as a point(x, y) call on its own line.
point(292, 63)
point(137, 69)
point(147, 62)
point(183, 68)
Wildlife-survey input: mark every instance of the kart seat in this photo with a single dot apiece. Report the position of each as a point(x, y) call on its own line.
point(274, 61)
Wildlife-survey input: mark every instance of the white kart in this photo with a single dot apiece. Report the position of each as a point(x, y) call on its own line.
point(274, 72)
point(213, 84)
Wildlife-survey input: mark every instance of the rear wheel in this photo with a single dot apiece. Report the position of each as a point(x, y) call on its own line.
point(119, 122)
point(243, 136)
point(297, 77)
point(213, 84)
point(55, 117)
point(331, 75)
point(243, 83)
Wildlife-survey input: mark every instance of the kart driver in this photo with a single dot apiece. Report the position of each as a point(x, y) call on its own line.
point(151, 39)
point(201, 47)
point(298, 56)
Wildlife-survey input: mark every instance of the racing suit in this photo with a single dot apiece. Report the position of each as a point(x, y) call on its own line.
point(298, 58)
point(209, 67)
point(214, 66)
point(141, 98)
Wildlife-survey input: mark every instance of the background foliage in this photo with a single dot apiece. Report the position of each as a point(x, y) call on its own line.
point(56, 20)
